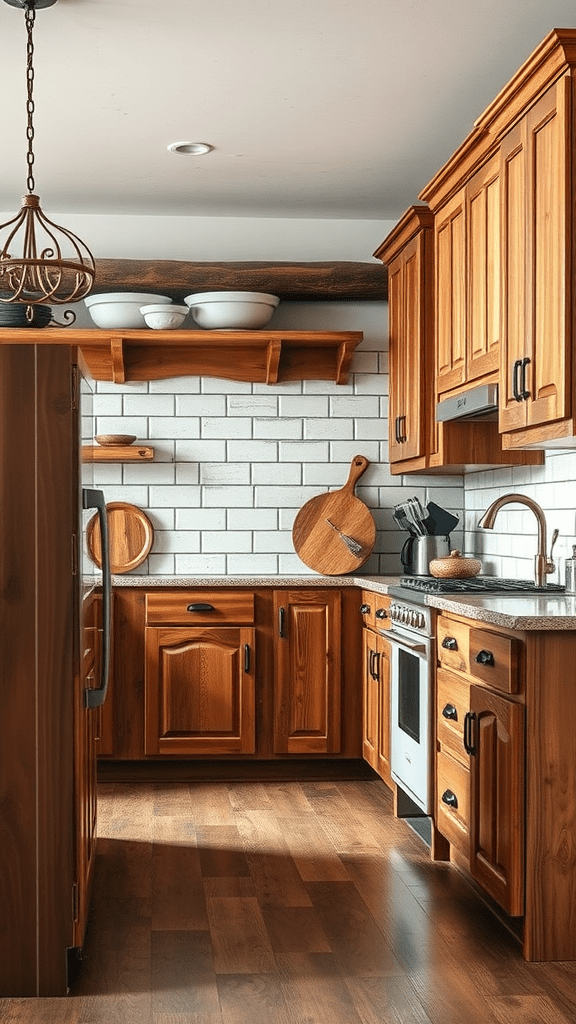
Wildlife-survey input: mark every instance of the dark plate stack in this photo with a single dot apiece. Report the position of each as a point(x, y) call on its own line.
point(13, 314)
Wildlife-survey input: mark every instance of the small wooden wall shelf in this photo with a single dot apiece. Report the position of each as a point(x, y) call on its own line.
point(260, 357)
point(117, 453)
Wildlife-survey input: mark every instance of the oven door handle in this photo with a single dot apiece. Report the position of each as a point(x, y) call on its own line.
point(414, 646)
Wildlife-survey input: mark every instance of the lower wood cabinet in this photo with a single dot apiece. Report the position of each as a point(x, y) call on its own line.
point(226, 672)
point(308, 675)
point(497, 797)
point(199, 690)
point(376, 704)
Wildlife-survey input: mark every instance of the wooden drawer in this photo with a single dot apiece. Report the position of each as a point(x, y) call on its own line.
point(453, 701)
point(494, 659)
point(374, 610)
point(452, 639)
point(199, 607)
point(453, 801)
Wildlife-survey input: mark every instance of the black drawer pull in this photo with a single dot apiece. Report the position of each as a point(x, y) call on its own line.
point(281, 619)
point(364, 609)
point(449, 711)
point(381, 613)
point(516, 380)
point(246, 657)
point(201, 606)
point(468, 738)
point(485, 657)
point(449, 798)
point(450, 643)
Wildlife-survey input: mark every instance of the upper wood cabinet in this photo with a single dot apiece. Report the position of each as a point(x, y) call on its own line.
point(408, 254)
point(535, 364)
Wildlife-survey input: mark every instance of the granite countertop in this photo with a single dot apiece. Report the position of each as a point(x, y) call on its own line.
point(379, 584)
point(518, 611)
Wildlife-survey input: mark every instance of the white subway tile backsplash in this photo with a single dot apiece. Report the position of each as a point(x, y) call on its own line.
point(252, 519)
point(200, 405)
point(179, 496)
point(226, 541)
point(281, 428)
point(227, 497)
point(148, 405)
point(304, 451)
point(200, 565)
point(219, 386)
point(344, 451)
point(225, 473)
point(175, 426)
point(137, 425)
point(357, 406)
point(367, 383)
point(252, 451)
point(252, 565)
point(175, 386)
point(253, 405)
point(187, 473)
point(277, 473)
point(201, 450)
point(176, 541)
point(156, 473)
point(227, 426)
point(161, 565)
point(273, 541)
point(200, 519)
point(331, 430)
point(303, 405)
point(110, 405)
point(283, 497)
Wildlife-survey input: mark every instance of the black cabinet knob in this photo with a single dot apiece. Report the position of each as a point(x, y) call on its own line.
point(381, 613)
point(449, 798)
point(200, 606)
point(485, 657)
point(449, 711)
point(365, 609)
point(450, 643)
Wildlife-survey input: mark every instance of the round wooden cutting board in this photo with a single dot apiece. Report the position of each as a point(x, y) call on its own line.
point(335, 532)
point(130, 536)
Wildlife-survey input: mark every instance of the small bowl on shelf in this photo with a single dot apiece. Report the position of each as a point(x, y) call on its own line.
point(119, 310)
point(167, 317)
point(231, 311)
point(114, 440)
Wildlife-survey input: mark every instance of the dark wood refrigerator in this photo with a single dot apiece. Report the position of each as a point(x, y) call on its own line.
point(51, 656)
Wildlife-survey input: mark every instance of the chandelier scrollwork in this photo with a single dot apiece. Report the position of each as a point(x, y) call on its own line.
point(39, 260)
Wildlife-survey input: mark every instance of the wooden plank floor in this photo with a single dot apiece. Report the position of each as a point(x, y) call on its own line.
point(287, 903)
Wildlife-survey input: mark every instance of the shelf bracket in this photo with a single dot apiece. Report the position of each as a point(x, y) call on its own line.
point(344, 361)
point(117, 360)
point(274, 351)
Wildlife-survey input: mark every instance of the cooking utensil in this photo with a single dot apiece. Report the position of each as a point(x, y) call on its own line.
point(130, 536)
point(350, 543)
point(439, 521)
point(320, 544)
point(400, 517)
point(413, 506)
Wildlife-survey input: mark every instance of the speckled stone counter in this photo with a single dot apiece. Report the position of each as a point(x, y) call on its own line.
point(378, 584)
point(521, 611)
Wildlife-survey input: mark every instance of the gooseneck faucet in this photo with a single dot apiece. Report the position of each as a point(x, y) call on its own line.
point(542, 563)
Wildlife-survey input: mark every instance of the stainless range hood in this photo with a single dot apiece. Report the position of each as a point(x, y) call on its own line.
point(479, 403)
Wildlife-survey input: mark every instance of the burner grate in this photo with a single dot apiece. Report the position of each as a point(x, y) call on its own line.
point(476, 585)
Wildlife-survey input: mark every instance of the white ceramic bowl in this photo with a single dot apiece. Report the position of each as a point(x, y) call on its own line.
point(232, 311)
point(121, 309)
point(164, 318)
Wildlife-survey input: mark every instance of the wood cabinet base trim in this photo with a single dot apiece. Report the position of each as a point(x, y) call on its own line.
point(213, 769)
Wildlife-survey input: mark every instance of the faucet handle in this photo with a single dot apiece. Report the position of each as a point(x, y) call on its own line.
point(550, 565)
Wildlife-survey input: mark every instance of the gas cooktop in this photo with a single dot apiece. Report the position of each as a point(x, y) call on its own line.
point(472, 585)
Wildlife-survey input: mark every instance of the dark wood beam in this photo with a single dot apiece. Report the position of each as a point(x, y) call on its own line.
point(320, 282)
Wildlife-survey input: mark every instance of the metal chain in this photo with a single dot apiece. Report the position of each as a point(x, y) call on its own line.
point(30, 16)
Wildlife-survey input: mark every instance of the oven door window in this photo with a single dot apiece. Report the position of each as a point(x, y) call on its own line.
point(409, 694)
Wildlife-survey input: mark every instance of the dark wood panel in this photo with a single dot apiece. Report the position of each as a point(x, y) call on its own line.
point(290, 281)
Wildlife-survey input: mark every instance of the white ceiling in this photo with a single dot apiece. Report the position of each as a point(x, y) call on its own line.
point(316, 108)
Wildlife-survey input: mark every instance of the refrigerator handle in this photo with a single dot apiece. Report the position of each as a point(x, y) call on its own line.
point(95, 697)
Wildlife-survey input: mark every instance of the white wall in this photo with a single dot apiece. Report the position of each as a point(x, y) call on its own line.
point(235, 462)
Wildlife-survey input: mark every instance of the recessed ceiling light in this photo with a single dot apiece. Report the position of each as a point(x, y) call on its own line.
point(191, 148)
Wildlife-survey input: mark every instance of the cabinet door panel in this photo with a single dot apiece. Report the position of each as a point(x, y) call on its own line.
point(483, 249)
point(497, 797)
point(548, 170)
point(451, 295)
point(307, 698)
point(200, 690)
point(383, 672)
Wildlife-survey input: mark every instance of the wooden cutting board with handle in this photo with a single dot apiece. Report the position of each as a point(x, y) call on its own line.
point(335, 532)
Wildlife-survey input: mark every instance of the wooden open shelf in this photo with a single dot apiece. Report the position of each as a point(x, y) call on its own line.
point(117, 453)
point(264, 357)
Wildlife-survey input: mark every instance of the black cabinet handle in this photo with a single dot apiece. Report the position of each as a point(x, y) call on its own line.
point(524, 393)
point(377, 666)
point(515, 380)
point(381, 613)
point(484, 657)
point(246, 657)
point(468, 739)
point(200, 606)
point(281, 621)
point(364, 609)
point(402, 429)
point(449, 711)
point(449, 798)
point(450, 643)
point(397, 429)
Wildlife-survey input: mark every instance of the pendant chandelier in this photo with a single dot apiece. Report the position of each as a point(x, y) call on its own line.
point(39, 261)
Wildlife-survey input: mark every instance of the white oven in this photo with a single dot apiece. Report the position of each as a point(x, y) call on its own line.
point(412, 646)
